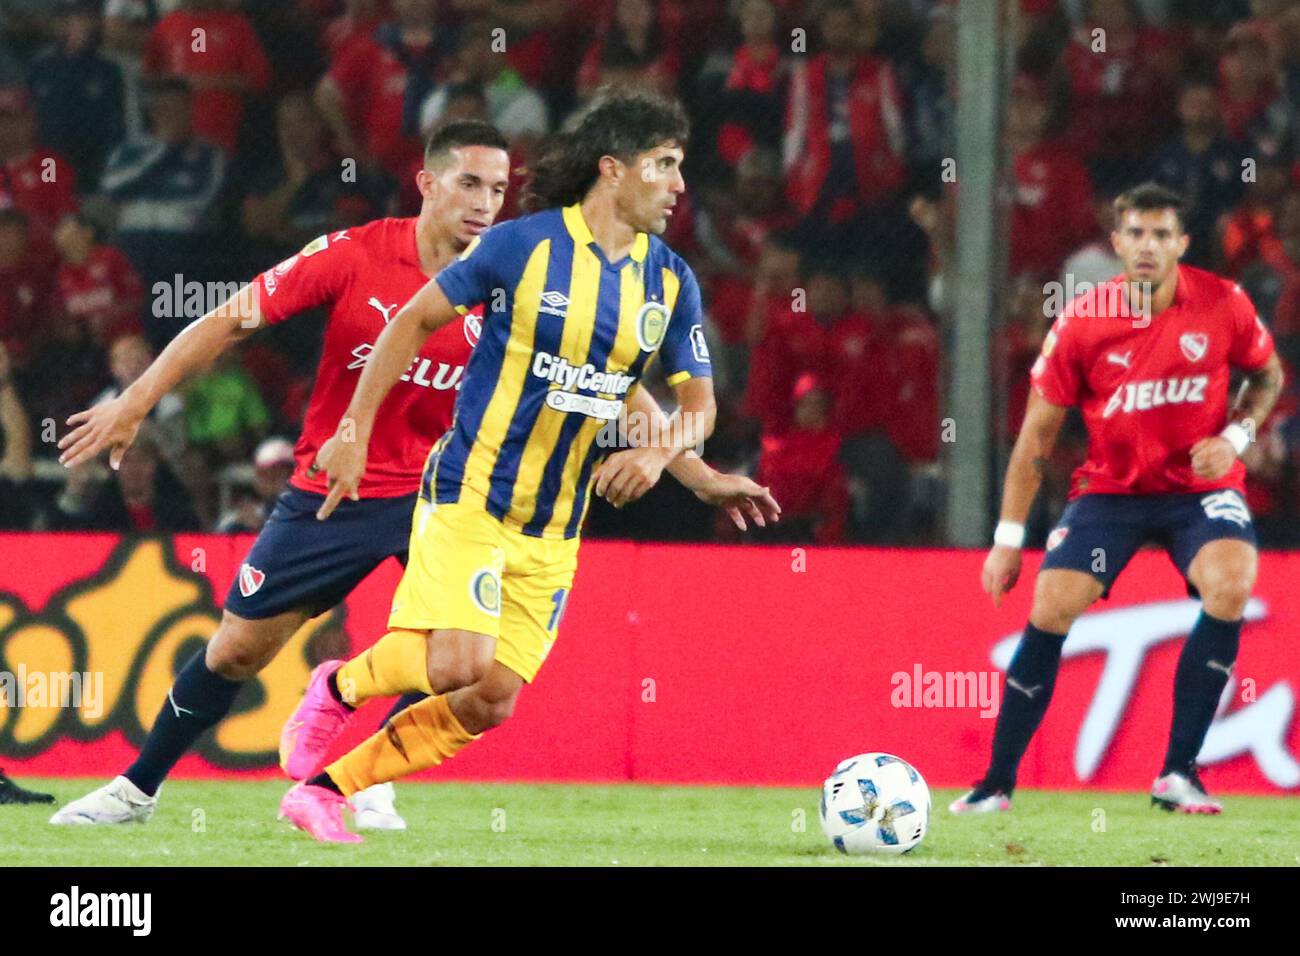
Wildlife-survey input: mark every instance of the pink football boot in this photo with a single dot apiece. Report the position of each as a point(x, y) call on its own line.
point(317, 811)
point(318, 720)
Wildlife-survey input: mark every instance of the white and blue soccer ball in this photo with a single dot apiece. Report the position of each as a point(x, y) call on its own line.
point(875, 803)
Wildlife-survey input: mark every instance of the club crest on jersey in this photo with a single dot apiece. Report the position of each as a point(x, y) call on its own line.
point(485, 591)
point(651, 323)
point(473, 328)
point(1056, 537)
point(250, 580)
point(1194, 345)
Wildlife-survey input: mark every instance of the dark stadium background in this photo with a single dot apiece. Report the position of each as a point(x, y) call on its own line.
point(821, 220)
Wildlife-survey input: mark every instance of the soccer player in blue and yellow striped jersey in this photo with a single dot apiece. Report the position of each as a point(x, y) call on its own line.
point(580, 298)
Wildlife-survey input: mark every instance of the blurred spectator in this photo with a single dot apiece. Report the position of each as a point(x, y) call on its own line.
point(1253, 109)
point(95, 286)
point(128, 358)
point(931, 131)
point(539, 41)
point(15, 453)
point(844, 135)
point(512, 106)
point(1095, 261)
point(127, 27)
point(39, 181)
point(633, 49)
point(1119, 73)
point(304, 193)
point(746, 86)
point(1051, 212)
point(800, 464)
point(224, 412)
point(251, 506)
point(142, 496)
point(215, 49)
point(166, 186)
point(1273, 281)
point(360, 18)
point(1248, 227)
point(732, 230)
point(79, 93)
point(1202, 165)
point(24, 291)
point(372, 94)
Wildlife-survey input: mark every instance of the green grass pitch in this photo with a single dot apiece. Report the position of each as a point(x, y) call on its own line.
point(233, 824)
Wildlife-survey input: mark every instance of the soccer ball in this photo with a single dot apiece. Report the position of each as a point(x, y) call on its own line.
point(875, 803)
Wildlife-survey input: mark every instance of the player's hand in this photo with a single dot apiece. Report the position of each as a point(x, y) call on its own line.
point(1212, 457)
point(627, 475)
point(112, 425)
point(343, 462)
point(740, 497)
point(1001, 571)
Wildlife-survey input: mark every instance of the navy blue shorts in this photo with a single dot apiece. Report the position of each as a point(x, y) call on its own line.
point(299, 562)
point(1099, 534)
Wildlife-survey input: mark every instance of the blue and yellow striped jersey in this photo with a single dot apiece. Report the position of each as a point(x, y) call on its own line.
point(566, 336)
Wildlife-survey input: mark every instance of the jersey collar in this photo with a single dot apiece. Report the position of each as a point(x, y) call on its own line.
point(581, 234)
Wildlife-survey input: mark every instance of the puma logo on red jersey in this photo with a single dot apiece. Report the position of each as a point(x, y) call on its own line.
point(1153, 393)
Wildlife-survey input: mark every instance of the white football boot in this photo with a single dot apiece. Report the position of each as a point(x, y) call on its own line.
point(980, 800)
point(374, 808)
point(1184, 793)
point(119, 801)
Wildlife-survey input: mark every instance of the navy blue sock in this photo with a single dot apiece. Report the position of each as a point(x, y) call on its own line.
point(1026, 692)
point(1203, 669)
point(196, 702)
point(403, 702)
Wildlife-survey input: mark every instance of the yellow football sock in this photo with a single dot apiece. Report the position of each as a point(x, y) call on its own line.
point(420, 737)
point(397, 664)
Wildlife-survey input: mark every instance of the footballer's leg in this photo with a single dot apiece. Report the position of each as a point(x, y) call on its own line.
point(297, 567)
point(1223, 573)
point(1095, 538)
point(201, 696)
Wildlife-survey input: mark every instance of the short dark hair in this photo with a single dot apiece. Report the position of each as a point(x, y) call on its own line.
point(619, 123)
point(462, 133)
point(1151, 197)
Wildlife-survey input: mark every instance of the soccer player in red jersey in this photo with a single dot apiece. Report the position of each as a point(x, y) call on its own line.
point(1147, 358)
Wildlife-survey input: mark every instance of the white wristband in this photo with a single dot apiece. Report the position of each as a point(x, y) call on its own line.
point(1009, 534)
point(1238, 437)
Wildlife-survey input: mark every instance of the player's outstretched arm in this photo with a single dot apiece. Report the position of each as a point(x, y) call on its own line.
point(739, 496)
point(113, 424)
point(627, 475)
point(343, 457)
point(1029, 459)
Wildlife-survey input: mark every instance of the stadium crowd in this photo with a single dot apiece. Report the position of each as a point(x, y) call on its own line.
point(154, 153)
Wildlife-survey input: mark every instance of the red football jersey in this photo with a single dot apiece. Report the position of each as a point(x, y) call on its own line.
point(365, 275)
point(1150, 390)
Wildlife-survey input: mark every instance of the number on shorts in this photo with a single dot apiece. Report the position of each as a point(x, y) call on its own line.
point(559, 599)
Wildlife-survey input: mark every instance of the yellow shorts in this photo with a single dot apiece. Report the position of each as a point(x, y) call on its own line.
point(468, 571)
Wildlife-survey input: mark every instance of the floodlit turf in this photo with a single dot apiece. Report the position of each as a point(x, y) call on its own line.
point(233, 824)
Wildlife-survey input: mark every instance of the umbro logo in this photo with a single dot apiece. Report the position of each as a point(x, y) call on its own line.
point(554, 303)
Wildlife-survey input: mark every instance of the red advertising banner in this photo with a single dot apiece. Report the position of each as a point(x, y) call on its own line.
point(679, 664)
